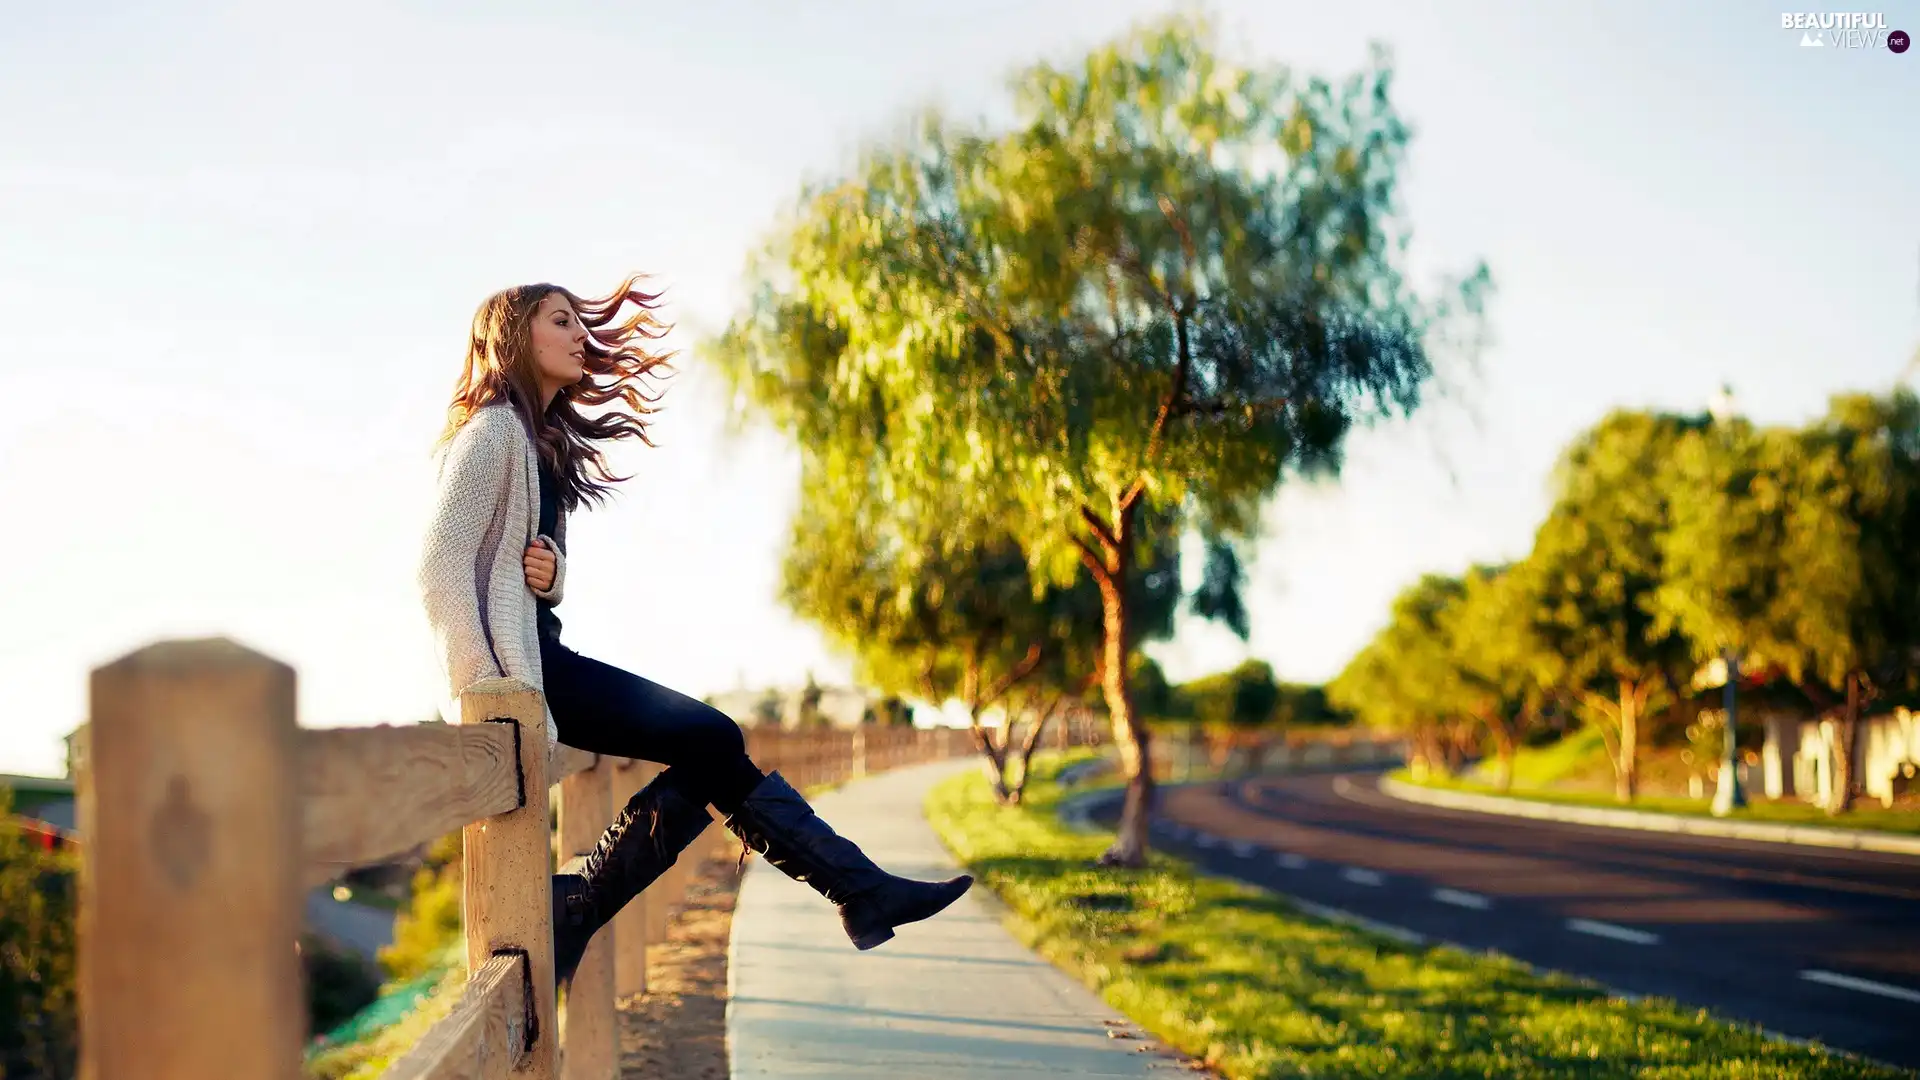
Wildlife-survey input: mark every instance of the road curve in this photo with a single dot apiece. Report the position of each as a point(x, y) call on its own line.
point(1811, 943)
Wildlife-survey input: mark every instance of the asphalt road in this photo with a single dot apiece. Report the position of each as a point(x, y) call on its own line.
point(1807, 942)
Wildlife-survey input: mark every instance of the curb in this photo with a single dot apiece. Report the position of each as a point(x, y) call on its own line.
point(1651, 821)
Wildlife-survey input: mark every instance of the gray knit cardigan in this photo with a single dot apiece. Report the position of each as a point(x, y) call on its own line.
point(471, 575)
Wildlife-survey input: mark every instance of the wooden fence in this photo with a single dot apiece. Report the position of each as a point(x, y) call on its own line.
point(207, 813)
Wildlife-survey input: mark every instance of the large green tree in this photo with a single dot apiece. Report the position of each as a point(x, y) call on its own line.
point(1173, 282)
point(1597, 565)
point(1502, 672)
point(1406, 680)
point(1851, 561)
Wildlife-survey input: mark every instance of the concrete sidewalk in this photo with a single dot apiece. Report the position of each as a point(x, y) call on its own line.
point(952, 998)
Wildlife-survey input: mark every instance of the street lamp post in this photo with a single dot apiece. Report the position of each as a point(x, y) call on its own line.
point(1728, 796)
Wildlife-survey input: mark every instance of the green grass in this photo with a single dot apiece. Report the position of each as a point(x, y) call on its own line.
point(1777, 812)
point(1235, 976)
point(1545, 766)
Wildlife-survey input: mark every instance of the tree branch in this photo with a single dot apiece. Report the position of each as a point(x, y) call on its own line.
point(1020, 671)
point(1091, 559)
point(1222, 408)
point(1182, 364)
point(1101, 530)
point(970, 684)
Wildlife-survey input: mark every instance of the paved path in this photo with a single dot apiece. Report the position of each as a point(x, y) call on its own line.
point(1812, 942)
point(951, 998)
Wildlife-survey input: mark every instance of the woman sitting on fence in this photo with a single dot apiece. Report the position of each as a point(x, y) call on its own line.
point(519, 454)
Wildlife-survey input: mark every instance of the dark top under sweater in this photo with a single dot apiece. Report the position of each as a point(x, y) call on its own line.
point(547, 621)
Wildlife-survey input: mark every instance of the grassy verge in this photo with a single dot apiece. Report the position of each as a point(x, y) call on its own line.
point(1782, 812)
point(1236, 977)
point(369, 1056)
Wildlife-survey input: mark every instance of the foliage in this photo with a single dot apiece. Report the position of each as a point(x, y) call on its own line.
point(431, 921)
point(1672, 541)
point(1245, 697)
point(1171, 283)
point(1240, 979)
point(339, 983)
point(39, 1010)
point(1404, 679)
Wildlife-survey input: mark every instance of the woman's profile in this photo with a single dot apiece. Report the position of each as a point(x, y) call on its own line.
point(518, 455)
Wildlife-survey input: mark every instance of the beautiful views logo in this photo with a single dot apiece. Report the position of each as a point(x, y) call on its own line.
point(1845, 30)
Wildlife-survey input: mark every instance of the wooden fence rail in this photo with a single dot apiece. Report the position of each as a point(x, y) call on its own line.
point(207, 813)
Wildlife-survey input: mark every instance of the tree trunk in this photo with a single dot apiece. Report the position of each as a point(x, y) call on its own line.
point(995, 753)
point(1840, 800)
point(1456, 755)
point(1129, 846)
point(1426, 751)
point(1028, 745)
point(1627, 768)
point(1503, 749)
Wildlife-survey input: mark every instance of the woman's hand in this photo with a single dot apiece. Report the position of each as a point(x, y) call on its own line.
point(540, 567)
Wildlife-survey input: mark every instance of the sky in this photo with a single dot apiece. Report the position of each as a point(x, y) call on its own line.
point(240, 245)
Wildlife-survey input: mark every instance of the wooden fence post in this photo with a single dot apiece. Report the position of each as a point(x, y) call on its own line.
point(590, 1030)
point(190, 880)
point(630, 927)
point(505, 862)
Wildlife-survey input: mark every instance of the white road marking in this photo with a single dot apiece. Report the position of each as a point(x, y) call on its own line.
point(1397, 933)
point(1616, 933)
point(1292, 861)
point(1243, 849)
point(1462, 899)
point(1865, 986)
point(1361, 877)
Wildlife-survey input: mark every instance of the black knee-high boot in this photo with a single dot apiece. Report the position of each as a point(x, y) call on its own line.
point(776, 821)
point(657, 824)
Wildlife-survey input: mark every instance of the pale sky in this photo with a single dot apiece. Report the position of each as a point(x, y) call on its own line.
point(242, 242)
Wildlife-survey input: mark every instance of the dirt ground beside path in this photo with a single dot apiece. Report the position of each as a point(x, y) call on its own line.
point(678, 1029)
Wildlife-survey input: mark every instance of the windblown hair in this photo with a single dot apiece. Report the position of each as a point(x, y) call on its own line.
point(499, 367)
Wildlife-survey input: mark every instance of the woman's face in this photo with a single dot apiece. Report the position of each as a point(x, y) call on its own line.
point(558, 341)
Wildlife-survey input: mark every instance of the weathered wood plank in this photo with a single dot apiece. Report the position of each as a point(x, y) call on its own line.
point(484, 1037)
point(563, 761)
point(371, 793)
point(505, 889)
point(630, 926)
point(190, 897)
point(590, 1031)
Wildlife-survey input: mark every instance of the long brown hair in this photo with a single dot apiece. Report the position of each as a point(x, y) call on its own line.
point(499, 367)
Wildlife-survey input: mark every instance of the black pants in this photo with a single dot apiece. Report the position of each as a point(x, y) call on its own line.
point(604, 710)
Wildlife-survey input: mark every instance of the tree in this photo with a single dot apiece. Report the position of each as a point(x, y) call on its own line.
point(810, 714)
point(766, 711)
point(1231, 704)
point(1173, 283)
point(1500, 665)
point(1852, 567)
point(1405, 680)
point(948, 608)
point(39, 1009)
point(1596, 568)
